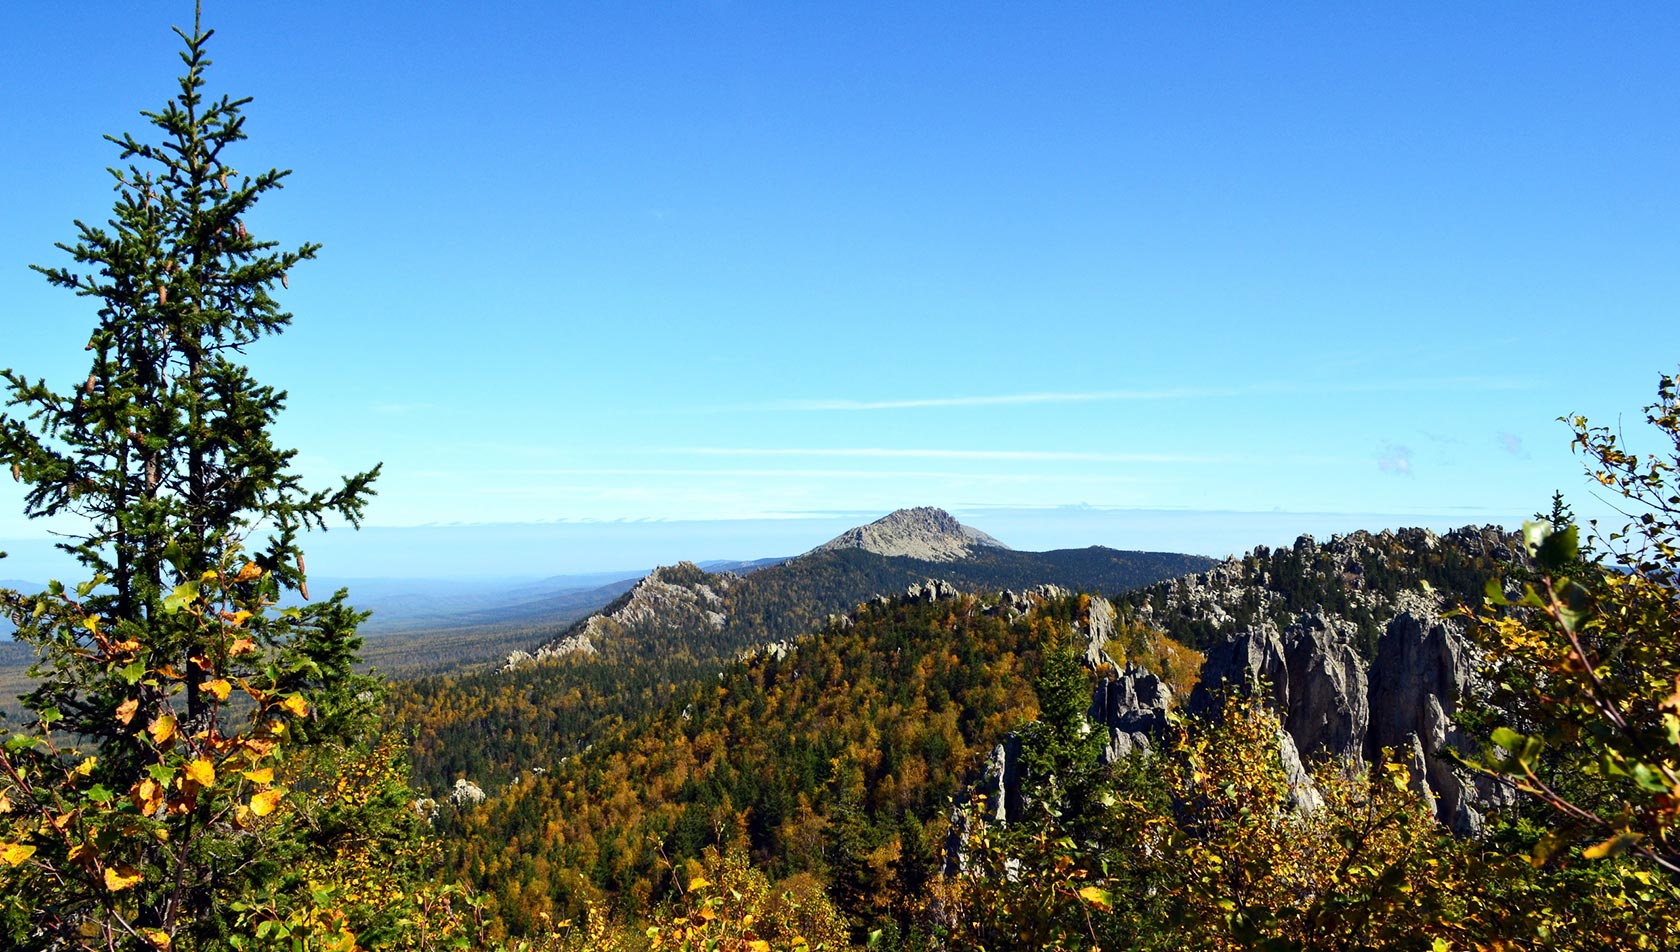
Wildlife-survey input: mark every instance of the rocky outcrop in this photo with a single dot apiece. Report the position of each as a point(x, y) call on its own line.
point(466, 793)
point(1424, 666)
point(578, 642)
point(1327, 711)
point(1012, 604)
point(1335, 712)
point(1248, 660)
point(932, 590)
point(671, 598)
point(926, 533)
point(1132, 706)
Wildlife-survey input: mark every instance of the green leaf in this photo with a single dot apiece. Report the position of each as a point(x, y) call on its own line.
point(1648, 780)
point(1494, 592)
point(51, 715)
point(183, 595)
point(1508, 739)
point(1559, 549)
point(132, 672)
point(99, 793)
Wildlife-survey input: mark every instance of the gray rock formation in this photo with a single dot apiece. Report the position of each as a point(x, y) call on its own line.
point(576, 643)
point(1132, 706)
point(1304, 797)
point(1424, 665)
point(1246, 660)
point(1012, 604)
point(466, 793)
point(932, 590)
point(1000, 783)
point(1099, 628)
point(670, 597)
point(924, 533)
point(1327, 711)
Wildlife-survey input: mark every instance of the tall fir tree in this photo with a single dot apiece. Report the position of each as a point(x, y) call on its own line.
point(150, 800)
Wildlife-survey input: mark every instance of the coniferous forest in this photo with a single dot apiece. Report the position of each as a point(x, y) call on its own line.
point(1386, 740)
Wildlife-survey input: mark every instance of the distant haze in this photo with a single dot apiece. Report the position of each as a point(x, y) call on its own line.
point(538, 550)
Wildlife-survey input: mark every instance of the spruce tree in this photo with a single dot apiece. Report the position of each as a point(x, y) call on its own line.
point(146, 802)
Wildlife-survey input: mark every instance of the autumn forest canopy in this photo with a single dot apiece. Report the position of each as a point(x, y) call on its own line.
point(1385, 740)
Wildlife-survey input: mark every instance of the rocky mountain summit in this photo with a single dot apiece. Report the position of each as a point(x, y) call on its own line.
point(926, 533)
point(721, 614)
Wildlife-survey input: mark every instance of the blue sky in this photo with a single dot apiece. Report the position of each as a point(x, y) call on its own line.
point(1192, 274)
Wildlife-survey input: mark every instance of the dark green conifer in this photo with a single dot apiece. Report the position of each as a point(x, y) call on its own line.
point(172, 661)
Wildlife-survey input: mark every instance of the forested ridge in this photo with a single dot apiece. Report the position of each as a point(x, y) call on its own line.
point(485, 724)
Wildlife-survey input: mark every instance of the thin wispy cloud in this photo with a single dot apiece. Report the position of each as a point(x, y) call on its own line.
point(802, 473)
point(1133, 395)
point(996, 400)
point(1074, 456)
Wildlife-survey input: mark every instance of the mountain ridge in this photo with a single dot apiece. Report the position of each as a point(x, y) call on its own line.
point(796, 596)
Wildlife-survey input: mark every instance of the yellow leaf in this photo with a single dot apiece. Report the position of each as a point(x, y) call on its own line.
point(264, 803)
point(120, 876)
point(85, 768)
point(241, 646)
point(759, 945)
point(1614, 846)
point(698, 882)
point(162, 729)
point(125, 710)
point(296, 705)
point(265, 775)
point(219, 687)
point(146, 796)
point(1097, 897)
point(14, 853)
point(248, 572)
point(157, 937)
point(201, 772)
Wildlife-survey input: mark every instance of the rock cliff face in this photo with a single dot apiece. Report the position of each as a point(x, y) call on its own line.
point(1338, 709)
point(926, 533)
point(1345, 696)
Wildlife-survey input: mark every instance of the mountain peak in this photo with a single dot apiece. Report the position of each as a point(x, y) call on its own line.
point(924, 533)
